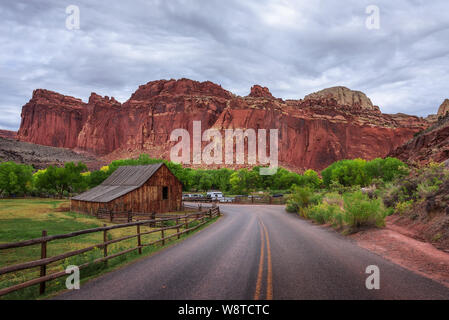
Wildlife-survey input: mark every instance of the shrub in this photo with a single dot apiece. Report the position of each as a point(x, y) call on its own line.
point(326, 213)
point(300, 199)
point(403, 207)
point(319, 213)
point(333, 198)
point(360, 211)
point(425, 189)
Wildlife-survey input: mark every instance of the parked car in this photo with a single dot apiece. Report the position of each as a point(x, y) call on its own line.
point(215, 195)
point(277, 195)
point(187, 197)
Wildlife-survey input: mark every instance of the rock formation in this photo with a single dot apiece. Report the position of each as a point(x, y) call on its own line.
point(430, 145)
point(330, 125)
point(260, 92)
point(444, 108)
point(6, 134)
point(344, 96)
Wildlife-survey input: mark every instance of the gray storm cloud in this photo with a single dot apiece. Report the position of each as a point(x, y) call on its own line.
point(292, 47)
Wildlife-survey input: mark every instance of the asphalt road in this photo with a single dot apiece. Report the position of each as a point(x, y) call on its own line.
point(260, 252)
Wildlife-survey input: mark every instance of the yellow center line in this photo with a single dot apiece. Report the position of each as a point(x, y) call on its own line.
point(260, 272)
point(270, 269)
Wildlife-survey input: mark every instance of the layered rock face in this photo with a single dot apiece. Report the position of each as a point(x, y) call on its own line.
point(52, 119)
point(432, 145)
point(11, 135)
point(444, 108)
point(326, 126)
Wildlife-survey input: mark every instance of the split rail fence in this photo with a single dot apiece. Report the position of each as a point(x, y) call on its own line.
point(243, 200)
point(181, 222)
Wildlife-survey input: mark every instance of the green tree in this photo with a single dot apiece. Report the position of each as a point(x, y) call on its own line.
point(15, 179)
point(386, 169)
point(347, 173)
point(62, 180)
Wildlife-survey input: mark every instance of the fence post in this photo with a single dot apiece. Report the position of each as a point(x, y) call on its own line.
point(177, 228)
point(162, 237)
point(44, 267)
point(139, 241)
point(153, 217)
point(210, 213)
point(105, 247)
point(186, 223)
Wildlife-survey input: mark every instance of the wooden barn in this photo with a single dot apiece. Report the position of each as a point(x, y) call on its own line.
point(139, 189)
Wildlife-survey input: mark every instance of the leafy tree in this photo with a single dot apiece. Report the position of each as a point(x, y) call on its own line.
point(15, 179)
point(96, 177)
point(62, 180)
point(238, 181)
point(347, 173)
point(312, 179)
point(205, 181)
point(386, 169)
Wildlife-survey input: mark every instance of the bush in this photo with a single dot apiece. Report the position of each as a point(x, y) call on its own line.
point(319, 213)
point(326, 213)
point(426, 189)
point(403, 207)
point(300, 199)
point(360, 211)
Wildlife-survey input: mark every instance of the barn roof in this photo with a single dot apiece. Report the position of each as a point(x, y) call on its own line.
point(122, 181)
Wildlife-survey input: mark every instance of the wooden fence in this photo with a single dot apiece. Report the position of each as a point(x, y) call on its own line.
point(181, 221)
point(243, 200)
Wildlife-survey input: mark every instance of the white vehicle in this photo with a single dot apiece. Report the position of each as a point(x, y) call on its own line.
point(215, 195)
point(226, 199)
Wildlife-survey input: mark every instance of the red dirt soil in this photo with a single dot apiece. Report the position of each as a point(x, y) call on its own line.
point(401, 246)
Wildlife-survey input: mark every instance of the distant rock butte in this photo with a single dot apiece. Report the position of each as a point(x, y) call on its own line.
point(11, 135)
point(444, 108)
point(330, 125)
point(260, 92)
point(344, 96)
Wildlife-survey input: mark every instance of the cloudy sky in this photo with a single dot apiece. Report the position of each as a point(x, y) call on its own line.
point(292, 47)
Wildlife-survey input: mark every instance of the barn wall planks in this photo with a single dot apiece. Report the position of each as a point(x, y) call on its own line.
point(146, 199)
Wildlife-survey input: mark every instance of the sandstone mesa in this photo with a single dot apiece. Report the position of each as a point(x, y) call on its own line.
point(326, 126)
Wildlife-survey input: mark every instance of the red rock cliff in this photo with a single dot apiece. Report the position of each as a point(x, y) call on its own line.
point(429, 145)
point(314, 132)
point(52, 119)
point(11, 135)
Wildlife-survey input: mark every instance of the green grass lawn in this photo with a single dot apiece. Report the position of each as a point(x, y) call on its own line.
point(24, 219)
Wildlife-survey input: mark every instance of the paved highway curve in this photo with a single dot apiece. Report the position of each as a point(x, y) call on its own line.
point(259, 252)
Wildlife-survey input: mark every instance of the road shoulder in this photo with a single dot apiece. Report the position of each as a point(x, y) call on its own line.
point(410, 253)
